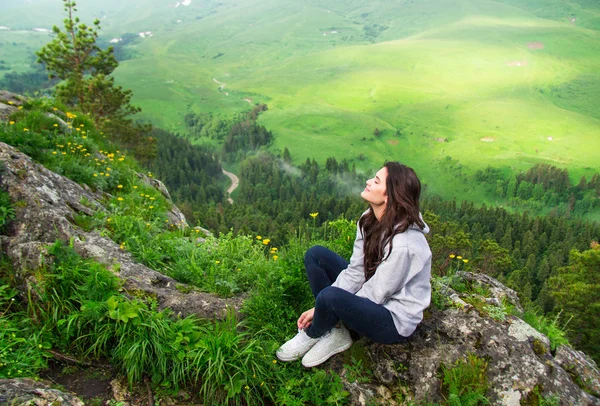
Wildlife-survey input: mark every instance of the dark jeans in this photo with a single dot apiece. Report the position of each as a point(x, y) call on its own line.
point(333, 305)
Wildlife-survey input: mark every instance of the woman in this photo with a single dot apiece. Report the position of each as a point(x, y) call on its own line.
point(382, 292)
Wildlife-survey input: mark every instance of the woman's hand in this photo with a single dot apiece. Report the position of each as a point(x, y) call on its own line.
point(306, 318)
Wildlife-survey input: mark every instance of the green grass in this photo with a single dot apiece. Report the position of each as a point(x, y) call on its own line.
point(17, 49)
point(429, 70)
point(465, 382)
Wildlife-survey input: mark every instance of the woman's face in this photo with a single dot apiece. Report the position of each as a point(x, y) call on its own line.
point(375, 193)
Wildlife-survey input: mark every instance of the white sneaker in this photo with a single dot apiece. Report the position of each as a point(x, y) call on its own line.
point(296, 347)
point(333, 342)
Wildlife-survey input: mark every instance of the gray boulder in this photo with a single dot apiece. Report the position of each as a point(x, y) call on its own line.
point(9, 103)
point(29, 392)
point(520, 366)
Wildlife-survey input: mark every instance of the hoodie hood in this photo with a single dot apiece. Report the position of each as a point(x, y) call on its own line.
point(414, 226)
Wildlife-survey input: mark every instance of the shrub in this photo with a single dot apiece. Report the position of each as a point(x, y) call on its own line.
point(549, 327)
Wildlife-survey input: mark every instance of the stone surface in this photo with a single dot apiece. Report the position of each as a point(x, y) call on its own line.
point(28, 392)
point(581, 367)
point(46, 205)
point(6, 109)
point(411, 370)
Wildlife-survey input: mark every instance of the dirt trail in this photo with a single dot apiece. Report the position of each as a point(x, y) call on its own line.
point(221, 83)
point(235, 181)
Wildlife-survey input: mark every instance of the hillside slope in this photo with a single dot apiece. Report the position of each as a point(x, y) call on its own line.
point(472, 325)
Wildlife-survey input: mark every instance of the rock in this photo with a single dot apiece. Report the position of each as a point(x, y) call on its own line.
point(119, 388)
point(9, 103)
point(6, 110)
point(176, 217)
point(46, 205)
point(29, 392)
point(583, 370)
point(520, 365)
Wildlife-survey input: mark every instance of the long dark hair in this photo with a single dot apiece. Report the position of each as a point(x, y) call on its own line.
point(403, 190)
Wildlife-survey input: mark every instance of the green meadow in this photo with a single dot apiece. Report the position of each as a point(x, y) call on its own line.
point(452, 86)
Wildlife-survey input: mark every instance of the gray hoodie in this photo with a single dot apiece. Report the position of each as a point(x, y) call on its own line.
point(401, 282)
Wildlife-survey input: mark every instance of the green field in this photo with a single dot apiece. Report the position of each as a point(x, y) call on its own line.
point(502, 83)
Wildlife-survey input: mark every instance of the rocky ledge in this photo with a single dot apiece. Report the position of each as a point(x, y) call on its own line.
point(46, 205)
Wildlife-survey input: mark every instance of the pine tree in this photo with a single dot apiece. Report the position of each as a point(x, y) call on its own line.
point(287, 157)
point(84, 69)
point(576, 289)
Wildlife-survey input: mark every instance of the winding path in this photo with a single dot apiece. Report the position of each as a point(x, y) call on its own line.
point(235, 181)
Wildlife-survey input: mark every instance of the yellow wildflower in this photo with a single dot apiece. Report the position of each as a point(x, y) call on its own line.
point(275, 257)
point(95, 175)
point(55, 125)
point(11, 122)
point(20, 107)
point(11, 103)
point(120, 199)
point(151, 207)
point(258, 237)
point(120, 186)
point(108, 174)
point(458, 257)
point(135, 187)
point(465, 260)
point(26, 129)
point(266, 241)
point(54, 108)
point(84, 137)
point(313, 215)
point(217, 262)
point(274, 361)
point(452, 255)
